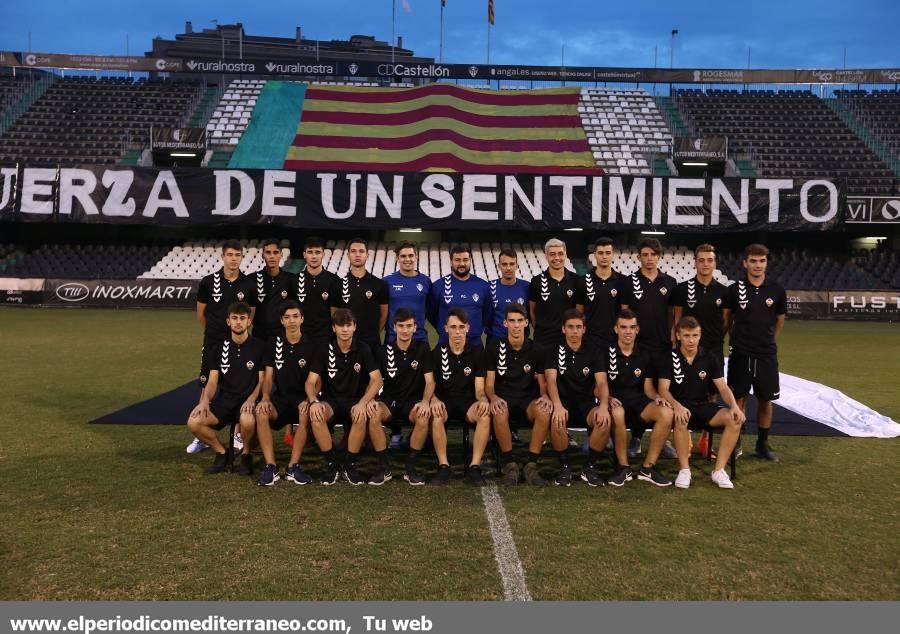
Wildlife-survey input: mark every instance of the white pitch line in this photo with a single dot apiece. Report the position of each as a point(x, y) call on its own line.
point(510, 566)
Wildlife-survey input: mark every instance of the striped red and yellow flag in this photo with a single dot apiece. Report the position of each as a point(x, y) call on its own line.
point(491, 11)
point(441, 127)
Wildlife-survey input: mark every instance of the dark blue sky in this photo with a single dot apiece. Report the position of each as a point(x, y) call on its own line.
point(781, 34)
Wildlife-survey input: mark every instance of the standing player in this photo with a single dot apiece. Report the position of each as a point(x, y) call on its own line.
point(236, 369)
point(648, 293)
point(406, 397)
point(756, 311)
point(315, 292)
point(601, 291)
point(218, 291)
point(287, 364)
point(459, 390)
point(550, 294)
point(407, 288)
point(272, 287)
point(504, 291)
point(462, 289)
point(364, 295)
point(685, 384)
point(350, 379)
point(575, 374)
point(515, 386)
point(630, 368)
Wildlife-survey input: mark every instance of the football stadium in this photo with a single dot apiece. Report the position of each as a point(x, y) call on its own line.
point(297, 319)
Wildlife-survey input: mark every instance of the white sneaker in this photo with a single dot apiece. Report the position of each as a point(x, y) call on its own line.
point(238, 441)
point(721, 478)
point(683, 481)
point(196, 446)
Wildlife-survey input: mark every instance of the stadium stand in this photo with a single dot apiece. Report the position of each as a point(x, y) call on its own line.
point(88, 120)
point(78, 261)
point(882, 264)
point(786, 134)
point(878, 112)
point(193, 260)
point(232, 115)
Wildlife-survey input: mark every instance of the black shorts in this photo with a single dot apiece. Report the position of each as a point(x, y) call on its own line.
point(701, 414)
point(757, 373)
point(578, 411)
point(400, 410)
point(288, 410)
point(227, 410)
point(457, 410)
point(634, 405)
point(341, 413)
point(518, 412)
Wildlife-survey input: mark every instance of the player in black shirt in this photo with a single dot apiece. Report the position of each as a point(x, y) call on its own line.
point(575, 374)
point(288, 359)
point(550, 294)
point(236, 371)
point(406, 397)
point(316, 291)
point(635, 402)
point(459, 387)
point(685, 384)
point(600, 290)
point(365, 295)
point(350, 379)
point(515, 386)
point(756, 312)
point(271, 287)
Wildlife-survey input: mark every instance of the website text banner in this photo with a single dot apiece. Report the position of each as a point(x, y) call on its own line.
point(339, 200)
point(90, 62)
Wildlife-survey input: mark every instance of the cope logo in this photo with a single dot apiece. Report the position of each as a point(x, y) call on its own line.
point(72, 292)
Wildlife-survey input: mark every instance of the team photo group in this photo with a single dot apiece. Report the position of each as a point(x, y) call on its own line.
point(619, 355)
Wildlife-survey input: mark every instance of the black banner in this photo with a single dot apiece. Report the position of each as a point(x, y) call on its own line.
point(178, 139)
point(90, 62)
point(864, 305)
point(335, 200)
point(121, 293)
point(700, 149)
point(807, 305)
point(20, 298)
point(872, 209)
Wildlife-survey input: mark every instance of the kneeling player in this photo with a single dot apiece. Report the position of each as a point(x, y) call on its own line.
point(635, 402)
point(575, 374)
point(237, 370)
point(516, 389)
point(685, 383)
point(406, 398)
point(283, 402)
point(349, 378)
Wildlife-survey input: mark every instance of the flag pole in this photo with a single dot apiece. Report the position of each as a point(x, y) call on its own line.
point(441, 49)
point(393, 26)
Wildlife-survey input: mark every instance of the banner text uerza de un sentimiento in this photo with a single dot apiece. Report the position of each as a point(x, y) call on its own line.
point(337, 200)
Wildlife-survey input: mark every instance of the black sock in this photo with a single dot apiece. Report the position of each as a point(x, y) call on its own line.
point(382, 458)
point(413, 458)
point(594, 456)
point(533, 457)
point(563, 457)
point(329, 456)
point(762, 436)
point(637, 434)
point(506, 457)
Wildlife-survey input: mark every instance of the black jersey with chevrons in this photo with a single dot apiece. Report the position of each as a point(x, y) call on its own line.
point(515, 371)
point(551, 298)
point(651, 302)
point(345, 375)
point(754, 312)
point(575, 369)
point(364, 296)
point(404, 371)
point(455, 374)
point(239, 365)
point(602, 299)
point(218, 293)
point(290, 363)
point(705, 303)
point(690, 382)
point(315, 294)
point(270, 291)
point(626, 373)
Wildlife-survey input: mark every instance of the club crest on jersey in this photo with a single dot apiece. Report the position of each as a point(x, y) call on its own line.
point(324, 296)
point(526, 368)
point(702, 375)
point(357, 367)
point(301, 363)
point(414, 365)
point(467, 370)
point(613, 292)
point(663, 290)
point(283, 294)
point(569, 293)
point(475, 297)
point(769, 302)
point(368, 294)
point(585, 370)
point(419, 287)
point(520, 301)
point(718, 301)
point(240, 295)
point(250, 365)
point(637, 372)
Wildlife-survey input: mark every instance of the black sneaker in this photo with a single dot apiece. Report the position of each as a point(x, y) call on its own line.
point(269, 476)
point(442, 476)
point(651, 475)
point(620, 477)
point(218, 465)
point(246, 467)
point(591, 477)
point(353, 476)
point(510, 471)
point(414, 478)
point(474, 476)
point(380, 476)
point(564, 477)
point(297, 475)
point(765, 452)
point(331, 475)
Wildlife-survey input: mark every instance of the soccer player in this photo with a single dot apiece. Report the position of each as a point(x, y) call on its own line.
point(635, 402)
point(272, 286)
point(504, 291)
point(575, 373)
point(218, 291)
point(601, 291)
point(364, 295)
point(407, 288)
point(685, 384)
point(550, 294)
point(406, 397)
point(459, 388)
point(756, 311)
point(236, 371)
point(287, 363)
point(315, 292)
point(350, 379)
point(648, 293)
point(514, 384)
point(462, 289)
